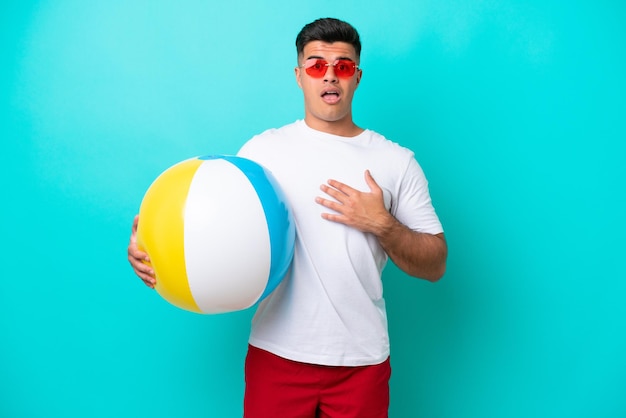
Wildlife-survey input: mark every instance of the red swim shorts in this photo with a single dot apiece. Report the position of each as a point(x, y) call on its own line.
point(281, 388)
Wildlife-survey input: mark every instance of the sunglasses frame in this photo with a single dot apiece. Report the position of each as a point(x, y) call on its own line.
point(312, 62)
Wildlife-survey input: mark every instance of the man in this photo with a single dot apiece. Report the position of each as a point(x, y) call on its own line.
point(319, 345)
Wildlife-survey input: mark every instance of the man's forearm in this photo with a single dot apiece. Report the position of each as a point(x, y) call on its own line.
point(417, 254)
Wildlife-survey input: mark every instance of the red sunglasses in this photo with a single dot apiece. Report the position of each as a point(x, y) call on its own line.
point(317, 67)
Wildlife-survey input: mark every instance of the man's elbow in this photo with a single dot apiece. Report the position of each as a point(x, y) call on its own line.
point(438, 268)
point(436, 274)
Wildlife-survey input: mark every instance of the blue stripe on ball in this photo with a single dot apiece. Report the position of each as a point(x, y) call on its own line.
point(279, 220)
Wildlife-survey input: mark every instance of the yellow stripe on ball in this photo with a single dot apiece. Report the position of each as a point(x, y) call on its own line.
point(164, 205)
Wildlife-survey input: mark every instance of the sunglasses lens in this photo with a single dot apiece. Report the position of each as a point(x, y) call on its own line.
point(345, 68)
point(316, 68)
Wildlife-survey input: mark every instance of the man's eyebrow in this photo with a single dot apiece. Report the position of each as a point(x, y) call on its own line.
point(322, 58)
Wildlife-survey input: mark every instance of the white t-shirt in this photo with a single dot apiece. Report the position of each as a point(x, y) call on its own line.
point(330, 309)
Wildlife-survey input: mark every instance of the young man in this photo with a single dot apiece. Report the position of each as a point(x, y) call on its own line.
point(319, 345)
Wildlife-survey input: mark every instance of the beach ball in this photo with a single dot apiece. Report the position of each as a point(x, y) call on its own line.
point(219, 233)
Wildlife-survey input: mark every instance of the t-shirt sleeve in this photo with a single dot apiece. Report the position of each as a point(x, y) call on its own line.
point(413, 206)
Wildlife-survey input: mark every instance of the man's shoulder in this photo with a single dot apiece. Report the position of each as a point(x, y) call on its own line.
point(269, 140)
point(380, 141)
point(283, 130)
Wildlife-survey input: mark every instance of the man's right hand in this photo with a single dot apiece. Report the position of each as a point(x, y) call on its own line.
point(139, 260)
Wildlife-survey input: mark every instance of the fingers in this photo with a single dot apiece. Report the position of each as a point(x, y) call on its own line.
point(139, 260)
point(147, 279)
point(344, 196)
point(352, 207)
point(371, 183)
point(135, 224)
point(329, 204)
point(347, 190)
point(135, 255)
point(140, 263)
point(339, 186)
point(145, 273)
point(335, 192)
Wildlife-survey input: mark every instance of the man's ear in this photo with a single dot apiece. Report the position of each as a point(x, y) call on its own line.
point(298, 74)
point(359, 75)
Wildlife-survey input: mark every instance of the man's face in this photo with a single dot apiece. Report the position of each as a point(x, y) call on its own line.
point(327, 100)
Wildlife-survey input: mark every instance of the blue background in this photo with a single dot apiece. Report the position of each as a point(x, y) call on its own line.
point(515, 109)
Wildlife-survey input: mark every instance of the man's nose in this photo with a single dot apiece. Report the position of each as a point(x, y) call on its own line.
point(330, 75)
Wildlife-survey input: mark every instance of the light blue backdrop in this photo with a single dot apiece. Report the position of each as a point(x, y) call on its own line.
point(515, 109)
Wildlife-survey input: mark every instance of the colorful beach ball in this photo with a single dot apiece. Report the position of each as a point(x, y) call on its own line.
point(219, 233)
